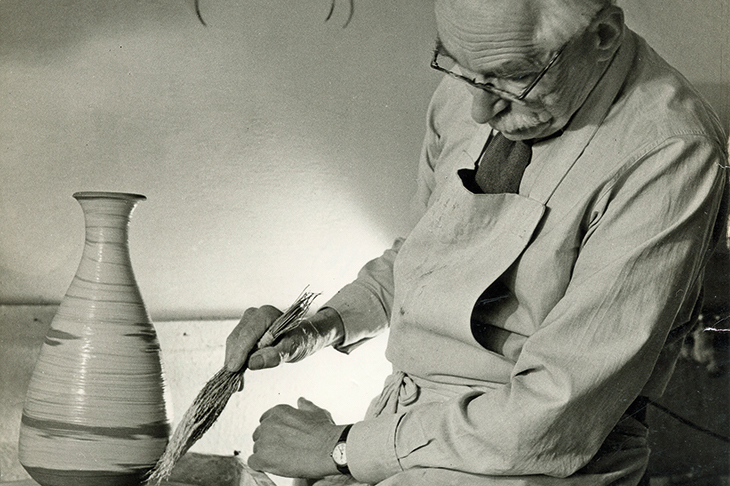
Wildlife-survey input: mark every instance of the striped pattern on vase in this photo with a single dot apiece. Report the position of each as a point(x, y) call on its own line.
point(95, 412)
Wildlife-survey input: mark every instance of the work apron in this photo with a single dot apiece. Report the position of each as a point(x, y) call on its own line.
point(437, 261)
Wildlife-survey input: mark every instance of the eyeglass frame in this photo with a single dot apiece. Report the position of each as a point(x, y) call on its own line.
point(491, 88)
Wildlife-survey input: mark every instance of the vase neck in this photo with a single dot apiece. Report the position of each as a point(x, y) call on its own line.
point(107, 216)
point(106, 250)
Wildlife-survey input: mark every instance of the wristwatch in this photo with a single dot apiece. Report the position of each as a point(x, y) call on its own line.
point(339, 453)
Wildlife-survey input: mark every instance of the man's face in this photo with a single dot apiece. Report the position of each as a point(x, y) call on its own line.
point(494, 40)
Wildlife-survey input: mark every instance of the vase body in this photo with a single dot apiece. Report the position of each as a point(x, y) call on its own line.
point(95, 412)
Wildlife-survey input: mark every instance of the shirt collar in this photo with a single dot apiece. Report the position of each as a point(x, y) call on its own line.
point(553, 158)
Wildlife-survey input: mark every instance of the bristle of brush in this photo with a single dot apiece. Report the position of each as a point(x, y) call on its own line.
point(201, 415)
point(212, 399)
point(289, 319)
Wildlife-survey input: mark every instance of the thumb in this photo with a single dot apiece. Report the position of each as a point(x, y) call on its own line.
point(307, 406)
point(304, 404)
point(264, 358)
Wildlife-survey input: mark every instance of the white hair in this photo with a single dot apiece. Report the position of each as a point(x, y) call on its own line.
point(560, 20)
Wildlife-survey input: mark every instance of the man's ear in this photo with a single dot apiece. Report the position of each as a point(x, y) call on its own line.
point(608, 31)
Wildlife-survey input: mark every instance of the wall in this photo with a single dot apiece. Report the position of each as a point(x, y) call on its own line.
point(276, 149)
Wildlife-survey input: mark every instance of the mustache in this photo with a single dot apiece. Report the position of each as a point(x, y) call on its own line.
point(510, 122)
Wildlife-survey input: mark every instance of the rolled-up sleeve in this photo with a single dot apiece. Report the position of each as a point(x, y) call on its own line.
point(364, 305)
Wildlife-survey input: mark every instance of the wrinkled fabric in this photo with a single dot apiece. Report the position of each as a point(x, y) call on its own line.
point(602, 253)
point(399, 390)
point(621, 461)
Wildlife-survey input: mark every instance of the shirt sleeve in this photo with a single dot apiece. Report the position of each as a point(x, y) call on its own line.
point(364, 305)
point(638, 271)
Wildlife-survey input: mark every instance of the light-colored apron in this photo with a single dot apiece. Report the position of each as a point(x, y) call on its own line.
point(436, 276)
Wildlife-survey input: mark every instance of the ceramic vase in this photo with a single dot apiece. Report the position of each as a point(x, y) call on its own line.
point(95, 412)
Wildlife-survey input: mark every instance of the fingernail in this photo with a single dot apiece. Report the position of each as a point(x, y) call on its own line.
point(256, 362)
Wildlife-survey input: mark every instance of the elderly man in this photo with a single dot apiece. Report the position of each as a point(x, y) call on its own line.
point(568, 191)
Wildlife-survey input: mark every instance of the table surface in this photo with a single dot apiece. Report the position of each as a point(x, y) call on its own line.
point(195, 469)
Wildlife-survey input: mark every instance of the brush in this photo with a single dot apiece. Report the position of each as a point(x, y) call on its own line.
point(212, 399)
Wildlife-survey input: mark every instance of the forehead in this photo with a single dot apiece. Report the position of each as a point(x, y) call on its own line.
point(483, 34)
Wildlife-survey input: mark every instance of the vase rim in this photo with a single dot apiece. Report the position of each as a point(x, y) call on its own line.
point(109, 195)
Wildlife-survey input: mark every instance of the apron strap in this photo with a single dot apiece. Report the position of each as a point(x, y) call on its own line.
point(398, 389)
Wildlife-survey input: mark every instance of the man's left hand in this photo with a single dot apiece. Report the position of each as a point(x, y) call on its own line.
point(295, 442)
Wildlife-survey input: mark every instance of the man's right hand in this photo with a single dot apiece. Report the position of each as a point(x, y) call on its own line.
point(322, 329)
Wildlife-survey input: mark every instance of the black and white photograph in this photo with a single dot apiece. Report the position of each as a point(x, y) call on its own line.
point(364, 243)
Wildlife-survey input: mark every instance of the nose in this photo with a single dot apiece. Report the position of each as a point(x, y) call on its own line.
point(485, 105)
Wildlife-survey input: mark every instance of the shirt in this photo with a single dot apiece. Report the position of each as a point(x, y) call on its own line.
point(602, 252)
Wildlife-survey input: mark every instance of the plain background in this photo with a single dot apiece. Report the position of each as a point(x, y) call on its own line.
point(276, 150)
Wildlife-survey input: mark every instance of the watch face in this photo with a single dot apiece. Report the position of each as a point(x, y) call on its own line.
point(338, 454)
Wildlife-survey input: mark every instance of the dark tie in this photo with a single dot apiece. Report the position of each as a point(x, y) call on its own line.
point(502, 165)
point(500, 171)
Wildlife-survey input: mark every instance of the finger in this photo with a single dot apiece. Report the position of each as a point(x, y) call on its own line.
point(264, 358)
point(280, 409)
point(246, 334)
point(242, 339)
point(253, 463)
point(265, 415)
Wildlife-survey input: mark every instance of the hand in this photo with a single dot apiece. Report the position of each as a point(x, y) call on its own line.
point(322, 329)
point(243, 339)
point(295, 442)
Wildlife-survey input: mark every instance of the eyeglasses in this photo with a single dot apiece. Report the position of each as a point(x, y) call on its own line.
point(490, 87)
